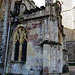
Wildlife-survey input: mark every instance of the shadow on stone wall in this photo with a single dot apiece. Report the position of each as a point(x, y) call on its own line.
point(65, 69)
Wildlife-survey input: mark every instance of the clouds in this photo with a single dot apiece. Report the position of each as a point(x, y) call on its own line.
point(39, 2)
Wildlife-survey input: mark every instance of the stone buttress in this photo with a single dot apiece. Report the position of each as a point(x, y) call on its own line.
point(38, 33)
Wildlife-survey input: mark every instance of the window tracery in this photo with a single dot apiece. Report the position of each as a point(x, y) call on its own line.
point(20, 44)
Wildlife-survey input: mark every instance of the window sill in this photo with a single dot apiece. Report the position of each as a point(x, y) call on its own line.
point(23, 62)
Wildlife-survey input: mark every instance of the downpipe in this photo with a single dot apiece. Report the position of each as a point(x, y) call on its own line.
point(7, 42)
point(6, 50)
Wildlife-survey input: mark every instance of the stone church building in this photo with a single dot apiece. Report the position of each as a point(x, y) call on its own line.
point(35, 42)
point(68, 20)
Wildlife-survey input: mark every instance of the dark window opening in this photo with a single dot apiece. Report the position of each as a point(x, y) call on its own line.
point(16, 54)
point(24, 50)
point(17, 8)
point(20, 46)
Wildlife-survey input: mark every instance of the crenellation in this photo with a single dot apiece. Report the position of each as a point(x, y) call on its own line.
point(35, 44)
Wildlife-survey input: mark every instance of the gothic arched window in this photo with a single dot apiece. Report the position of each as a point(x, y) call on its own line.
point(20, 44)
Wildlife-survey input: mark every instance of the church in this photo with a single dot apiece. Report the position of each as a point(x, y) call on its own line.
point(68, 21)
point(35, 41)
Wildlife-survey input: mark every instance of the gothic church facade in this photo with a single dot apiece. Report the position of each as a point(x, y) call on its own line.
point(36, 42)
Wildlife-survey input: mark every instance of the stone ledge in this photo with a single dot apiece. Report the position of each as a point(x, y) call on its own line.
point(50, 42)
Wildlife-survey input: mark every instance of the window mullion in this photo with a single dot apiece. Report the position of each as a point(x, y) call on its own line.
point(20, 47)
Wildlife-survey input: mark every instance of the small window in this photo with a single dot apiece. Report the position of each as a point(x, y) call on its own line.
point(20, 44)
point(17, 8)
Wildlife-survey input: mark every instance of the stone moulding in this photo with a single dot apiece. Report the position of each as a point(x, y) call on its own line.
point(50, 42)
point(34, 10)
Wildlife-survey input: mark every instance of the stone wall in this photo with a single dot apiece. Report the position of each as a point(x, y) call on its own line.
point(3, 31)
point(38, 31)
point(1, 23)
point(71, 49)
point(2, 19)
point(69, 24)
point(69, 34)
point(44, 51)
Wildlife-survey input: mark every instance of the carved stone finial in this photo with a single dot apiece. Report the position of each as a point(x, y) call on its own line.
point(22, 7)
point(50, 1)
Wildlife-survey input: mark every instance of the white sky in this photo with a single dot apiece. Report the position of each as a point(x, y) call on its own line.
point(73, 2)
point(42, 2)
point(39, 2)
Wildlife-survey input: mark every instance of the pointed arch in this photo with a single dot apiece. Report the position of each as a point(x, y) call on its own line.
point(20, 44)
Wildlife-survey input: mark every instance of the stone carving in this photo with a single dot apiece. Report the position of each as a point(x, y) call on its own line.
point(22, 7)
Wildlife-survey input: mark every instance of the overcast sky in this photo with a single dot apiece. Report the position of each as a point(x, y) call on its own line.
point(39, 2)
point(42, 2)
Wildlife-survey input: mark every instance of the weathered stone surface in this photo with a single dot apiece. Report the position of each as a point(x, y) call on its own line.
point(68, 18)
point(39, 29)
point(71, 49)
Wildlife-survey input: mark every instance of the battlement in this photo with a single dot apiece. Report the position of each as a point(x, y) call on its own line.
point(52, 10)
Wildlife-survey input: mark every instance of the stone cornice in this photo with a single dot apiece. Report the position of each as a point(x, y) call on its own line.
point(49, 42)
